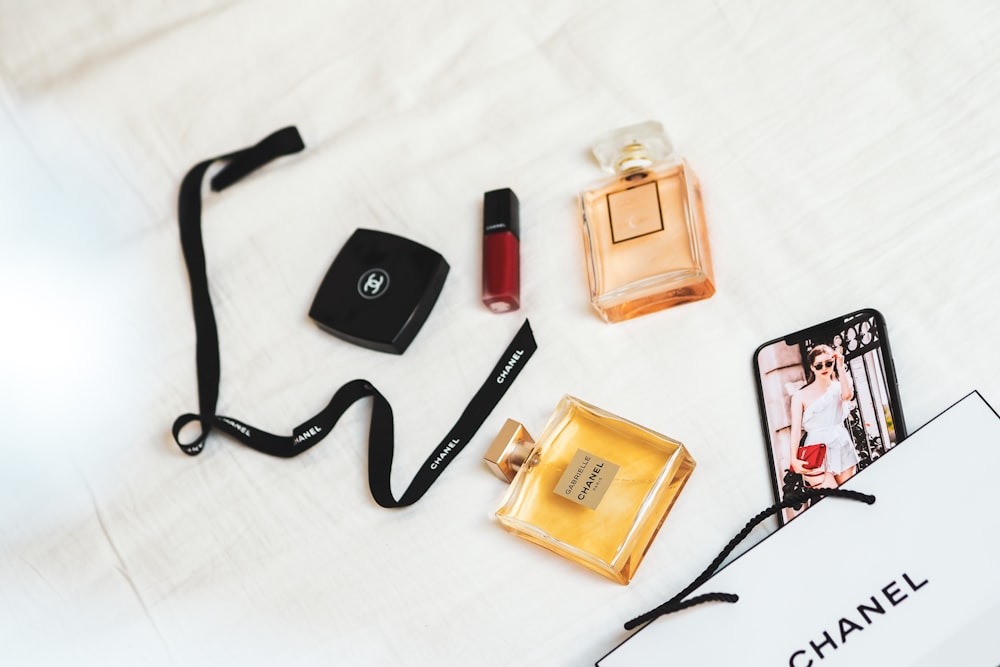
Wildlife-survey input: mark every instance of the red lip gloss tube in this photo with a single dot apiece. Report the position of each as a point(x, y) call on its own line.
point(501, 251)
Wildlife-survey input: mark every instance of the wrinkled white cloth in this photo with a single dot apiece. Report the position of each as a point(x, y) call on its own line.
point(848, 157)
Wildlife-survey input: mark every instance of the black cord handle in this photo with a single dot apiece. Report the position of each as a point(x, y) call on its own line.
point(677, 603)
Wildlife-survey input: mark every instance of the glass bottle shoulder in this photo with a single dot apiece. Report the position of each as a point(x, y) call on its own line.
point(577, 424)
point(623, 181)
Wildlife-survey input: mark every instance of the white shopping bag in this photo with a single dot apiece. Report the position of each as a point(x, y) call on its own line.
point(913, 579)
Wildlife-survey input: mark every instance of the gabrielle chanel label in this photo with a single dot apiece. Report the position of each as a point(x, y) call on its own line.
point(634, 212)
point(587, 478)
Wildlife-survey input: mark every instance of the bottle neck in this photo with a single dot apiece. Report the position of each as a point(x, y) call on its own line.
point(509, 450)
point(520, 452)
point(633, 157)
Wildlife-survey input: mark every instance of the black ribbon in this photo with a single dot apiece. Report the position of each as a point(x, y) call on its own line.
point(677, 603)
point(380, 435)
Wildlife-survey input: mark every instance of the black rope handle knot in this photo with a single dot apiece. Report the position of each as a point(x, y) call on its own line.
point(677, 603)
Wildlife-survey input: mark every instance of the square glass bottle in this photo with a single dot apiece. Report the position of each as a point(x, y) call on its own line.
point(595, 488)
point(644, 233)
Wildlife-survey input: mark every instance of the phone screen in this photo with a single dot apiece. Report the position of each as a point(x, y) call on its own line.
point(829, 403)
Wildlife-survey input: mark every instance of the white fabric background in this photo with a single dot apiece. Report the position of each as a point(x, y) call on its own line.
point(848, 156)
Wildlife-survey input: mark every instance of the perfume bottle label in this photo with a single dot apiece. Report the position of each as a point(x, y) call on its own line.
point(587, 478)
point(634, 212)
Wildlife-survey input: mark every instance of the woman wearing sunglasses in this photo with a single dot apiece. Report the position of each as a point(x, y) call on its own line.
point(818, 409)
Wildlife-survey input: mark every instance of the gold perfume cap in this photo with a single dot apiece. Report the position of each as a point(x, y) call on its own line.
point(509, 450)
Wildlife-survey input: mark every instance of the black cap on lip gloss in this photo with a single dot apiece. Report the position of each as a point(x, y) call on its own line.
point(501, 212)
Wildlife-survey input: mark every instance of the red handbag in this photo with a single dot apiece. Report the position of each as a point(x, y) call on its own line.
point(813, 455)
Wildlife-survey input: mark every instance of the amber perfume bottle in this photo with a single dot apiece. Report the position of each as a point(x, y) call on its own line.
point(595, 488)
point(644, 229)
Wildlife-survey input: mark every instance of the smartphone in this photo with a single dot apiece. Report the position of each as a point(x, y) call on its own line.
point(829, 403)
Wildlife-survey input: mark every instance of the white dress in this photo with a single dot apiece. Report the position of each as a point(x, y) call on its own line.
point(823, 421)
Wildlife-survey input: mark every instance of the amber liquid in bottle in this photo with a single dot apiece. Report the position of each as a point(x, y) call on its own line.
point(596, 489)
point(645, 239)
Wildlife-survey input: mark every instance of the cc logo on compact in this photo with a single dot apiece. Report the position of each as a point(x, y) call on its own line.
point(373, 283)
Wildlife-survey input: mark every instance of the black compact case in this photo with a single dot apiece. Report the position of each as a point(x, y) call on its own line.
point(379, 290)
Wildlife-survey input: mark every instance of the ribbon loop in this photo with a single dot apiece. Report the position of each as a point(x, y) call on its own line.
point(190, 448)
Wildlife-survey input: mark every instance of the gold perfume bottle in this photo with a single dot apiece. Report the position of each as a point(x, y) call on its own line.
point(595, 488)
point(644, 232)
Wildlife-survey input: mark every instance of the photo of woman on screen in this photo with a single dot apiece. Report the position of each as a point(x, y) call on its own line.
point(818, 410)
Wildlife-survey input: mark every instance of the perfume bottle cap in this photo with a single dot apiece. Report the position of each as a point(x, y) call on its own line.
point(509, 450)
point(501, 212)
point(632, 147)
